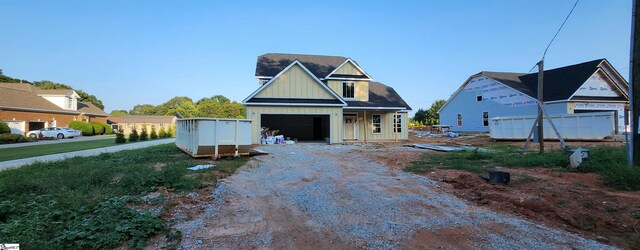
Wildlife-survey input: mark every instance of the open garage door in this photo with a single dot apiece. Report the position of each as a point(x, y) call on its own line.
point(301, 127)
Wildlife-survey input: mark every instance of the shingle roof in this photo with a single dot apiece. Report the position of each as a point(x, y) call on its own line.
point(381, 95)
point(147, 119)
point(271, 64)
point(559, 83)
point(89, 108)
point(15, 96)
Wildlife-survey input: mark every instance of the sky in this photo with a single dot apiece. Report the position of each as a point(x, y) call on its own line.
point(146, 52)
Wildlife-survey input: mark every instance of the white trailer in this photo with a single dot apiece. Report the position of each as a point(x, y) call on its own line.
point(583, 126)
point(213, 137)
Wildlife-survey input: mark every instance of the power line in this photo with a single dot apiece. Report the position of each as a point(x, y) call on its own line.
point(554, 36)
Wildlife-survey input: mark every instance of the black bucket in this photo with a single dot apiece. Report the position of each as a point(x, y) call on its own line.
point(499, 177)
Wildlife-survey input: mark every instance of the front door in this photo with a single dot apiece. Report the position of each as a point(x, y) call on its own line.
point(350, 128)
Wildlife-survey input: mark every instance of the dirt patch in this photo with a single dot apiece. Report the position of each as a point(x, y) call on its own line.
point(577, 202)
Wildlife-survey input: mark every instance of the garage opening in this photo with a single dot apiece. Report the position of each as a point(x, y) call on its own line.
point(300, 127)
point(35, 125)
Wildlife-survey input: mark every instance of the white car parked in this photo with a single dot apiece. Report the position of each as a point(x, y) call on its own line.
point(57, 132)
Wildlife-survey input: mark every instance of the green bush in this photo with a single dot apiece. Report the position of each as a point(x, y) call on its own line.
point(144, 135)
point(163, 133)
point(153, 134)
point(134, 137)
point(4, 128)
point(120, 137)
point(98, 129)
point(12, 138)
point(107, 129)
point(171, 132)
point(85, 127)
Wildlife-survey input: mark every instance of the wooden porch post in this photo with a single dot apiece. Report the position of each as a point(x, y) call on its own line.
point(365, 126)
point(395, 128)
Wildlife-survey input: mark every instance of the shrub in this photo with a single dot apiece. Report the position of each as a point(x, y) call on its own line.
point(107, 129)
point(144, 135)
point(85, 127)
point(4, 128)
point(12, 138)
point(153, 134)
point(98, 129)
point(163, 133)
point(120, 137)
point(134, 137)
point(171, 132)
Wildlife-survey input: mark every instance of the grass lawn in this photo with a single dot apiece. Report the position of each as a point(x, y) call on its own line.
point(609, 162)
point(95, 202)
point(7, 154)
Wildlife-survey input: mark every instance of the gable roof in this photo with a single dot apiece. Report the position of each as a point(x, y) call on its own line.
point(24, 96)
point(89, 108)
point(380, 96)
point(271, 64)
point(333, 74)
point(251, 98)
point(147, 119)
point(559, 83)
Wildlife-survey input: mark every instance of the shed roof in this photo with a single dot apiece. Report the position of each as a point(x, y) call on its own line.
point(89, 108)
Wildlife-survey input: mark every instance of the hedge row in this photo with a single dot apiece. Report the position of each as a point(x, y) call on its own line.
point(4, 128)
point(12, 138)
point(91, 128)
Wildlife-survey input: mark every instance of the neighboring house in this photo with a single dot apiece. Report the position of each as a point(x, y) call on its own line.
point(323, 98)
point(25, 107)
point(593, 86)
point(128, 122)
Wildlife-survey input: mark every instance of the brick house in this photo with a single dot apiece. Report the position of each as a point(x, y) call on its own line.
point(25, 107)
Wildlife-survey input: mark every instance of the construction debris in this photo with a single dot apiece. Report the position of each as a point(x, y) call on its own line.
point(450, 148)
point(200, 167)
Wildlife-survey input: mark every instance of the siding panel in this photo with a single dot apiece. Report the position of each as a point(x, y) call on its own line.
point(303, 85)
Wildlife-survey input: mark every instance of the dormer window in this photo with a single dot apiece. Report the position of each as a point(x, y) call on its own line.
point(69, 103)
point(348, 89)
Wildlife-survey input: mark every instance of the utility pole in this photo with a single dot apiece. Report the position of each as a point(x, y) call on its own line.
point(634, 89)
point(541, 100)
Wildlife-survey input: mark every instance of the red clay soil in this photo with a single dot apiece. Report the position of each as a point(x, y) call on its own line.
point(576, 202)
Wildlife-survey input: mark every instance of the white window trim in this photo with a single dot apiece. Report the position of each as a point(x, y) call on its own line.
point(372, 123)
point(395, 123)
point(487, 118)
point(354, 90)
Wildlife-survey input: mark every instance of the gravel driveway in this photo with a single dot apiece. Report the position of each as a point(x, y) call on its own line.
point(322, 196)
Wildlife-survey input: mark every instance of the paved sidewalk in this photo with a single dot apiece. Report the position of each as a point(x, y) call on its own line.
point(89, 152)
point(66, 140)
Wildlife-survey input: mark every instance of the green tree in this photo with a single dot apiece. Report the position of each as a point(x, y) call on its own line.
point(4, 128)
point(420, 116)
point(171, 106)
point(45, 84)
point(153, 135)
point(144, 135)
point(163, 133)
point(118, 112)
point(4, 78)
point(120, 137)
point(432, 114)
point(85, 97)
point(143, 109)
point(133, 136)
point(186, 109)
point(171, 132)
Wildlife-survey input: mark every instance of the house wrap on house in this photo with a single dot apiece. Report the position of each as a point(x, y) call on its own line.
point(25, 107)
point(327, 98)
point(593, 86)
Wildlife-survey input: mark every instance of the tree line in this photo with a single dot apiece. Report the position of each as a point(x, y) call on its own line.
point(429, 116)
point(215, 106)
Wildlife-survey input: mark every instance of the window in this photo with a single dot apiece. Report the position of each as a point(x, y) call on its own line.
point(459, 120)
point(377, 125)
point(348, 89)
point(397, 124)
point(478, 97)
point(69, 103)
point(485, 119)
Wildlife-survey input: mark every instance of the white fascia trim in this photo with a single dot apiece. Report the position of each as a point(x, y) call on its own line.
point(40, 110)
point(291, 104)
point(285, 70)
point(264, 77)
point(457, 91)
point(558, 101)
point(353, 63)
point(381, 108)
point(614, 71)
